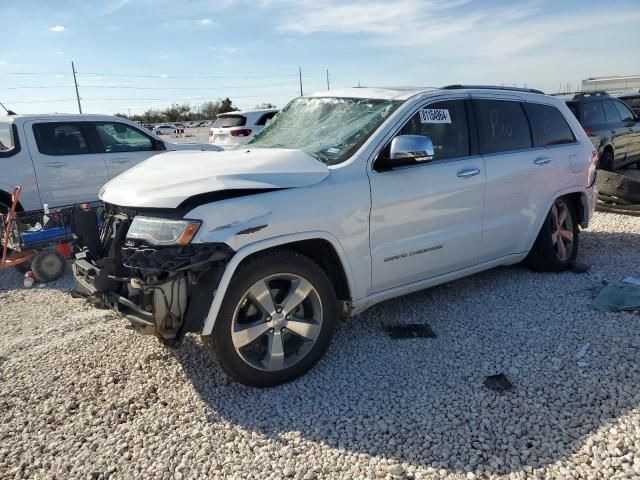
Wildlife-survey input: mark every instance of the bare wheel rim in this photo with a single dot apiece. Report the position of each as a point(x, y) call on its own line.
point(277, 322)
point(561, 230)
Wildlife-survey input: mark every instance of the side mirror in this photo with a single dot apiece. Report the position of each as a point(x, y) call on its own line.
point(417, 148)
point(159, 145)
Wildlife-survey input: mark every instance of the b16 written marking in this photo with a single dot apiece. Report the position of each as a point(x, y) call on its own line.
point(434, 115)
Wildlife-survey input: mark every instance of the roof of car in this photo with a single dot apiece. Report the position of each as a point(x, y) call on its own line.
point(404, 93)
point(67, 117)
point(248, 112)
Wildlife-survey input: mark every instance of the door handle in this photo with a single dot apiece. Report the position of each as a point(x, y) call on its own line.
point(542, 161)
point(56, 164)
point(120, 160)
point(468, 172)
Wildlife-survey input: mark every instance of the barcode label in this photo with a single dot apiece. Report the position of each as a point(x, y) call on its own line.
point(434, 115)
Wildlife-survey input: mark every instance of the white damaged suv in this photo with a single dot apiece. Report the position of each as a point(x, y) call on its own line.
point(346, 199)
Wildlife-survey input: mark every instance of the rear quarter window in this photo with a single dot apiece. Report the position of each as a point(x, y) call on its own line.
point(229, 121)
point(502, 126)
point(548, 125)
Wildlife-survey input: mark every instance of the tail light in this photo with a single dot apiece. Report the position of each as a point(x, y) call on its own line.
point(243, 132)
point(587, 131)
point(593, 165)
point(210, 133)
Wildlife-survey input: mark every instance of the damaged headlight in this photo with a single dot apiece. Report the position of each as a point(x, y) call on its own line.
point(161, 231)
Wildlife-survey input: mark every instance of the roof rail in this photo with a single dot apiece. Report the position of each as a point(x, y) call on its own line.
point(594, 93)
point(492, 87)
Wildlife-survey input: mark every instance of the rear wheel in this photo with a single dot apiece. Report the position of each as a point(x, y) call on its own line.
point(557, 243)
point(276, 320)
point(606, 160)
point(48, 265)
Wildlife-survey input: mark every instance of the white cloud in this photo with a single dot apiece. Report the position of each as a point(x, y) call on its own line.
point(463, 28)
point(57, 28)
point(113, 6)
point(200, 22)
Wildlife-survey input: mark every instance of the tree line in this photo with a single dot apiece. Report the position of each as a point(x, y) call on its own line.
point(185, 112)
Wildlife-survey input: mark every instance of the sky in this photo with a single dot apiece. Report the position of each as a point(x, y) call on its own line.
point(132, 55)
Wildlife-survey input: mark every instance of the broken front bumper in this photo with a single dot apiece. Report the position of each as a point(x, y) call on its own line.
point(165, 291)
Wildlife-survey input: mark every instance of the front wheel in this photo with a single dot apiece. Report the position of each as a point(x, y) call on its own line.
point(557, 243)
point(276, 321)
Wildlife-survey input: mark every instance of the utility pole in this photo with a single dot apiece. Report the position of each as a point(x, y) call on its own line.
point(300, 77)
point(328, 87)
point(73, 69)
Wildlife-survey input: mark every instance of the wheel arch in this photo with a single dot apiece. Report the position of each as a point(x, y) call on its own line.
point(578, 198)
point(321, 247)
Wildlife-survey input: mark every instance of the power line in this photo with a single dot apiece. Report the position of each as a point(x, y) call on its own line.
point(129, 87)
point(135, 99)
point(183, 76)
point(32, 73)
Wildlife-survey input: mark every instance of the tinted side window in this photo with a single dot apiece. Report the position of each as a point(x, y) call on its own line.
point(625, 113)
point(265, 118)
point(502, 126)
point(611, 112)
point(448, 130)
point(548, 125)
point(118, 137)
point(60, 139)
point(591, 113)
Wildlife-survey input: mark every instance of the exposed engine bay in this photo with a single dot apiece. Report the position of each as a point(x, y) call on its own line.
point(164, 290)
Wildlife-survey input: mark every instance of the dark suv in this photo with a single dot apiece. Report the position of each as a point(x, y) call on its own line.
point(632, 99)
point(613, 128)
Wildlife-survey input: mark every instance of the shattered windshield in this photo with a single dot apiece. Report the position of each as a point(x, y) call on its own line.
point(329, 129)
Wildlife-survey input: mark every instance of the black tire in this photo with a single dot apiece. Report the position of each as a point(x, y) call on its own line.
point(606, 160)
point(48, 265)
point(281, 262)
point(544, 256)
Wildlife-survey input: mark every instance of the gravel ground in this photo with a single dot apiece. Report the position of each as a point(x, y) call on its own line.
point(82, 397)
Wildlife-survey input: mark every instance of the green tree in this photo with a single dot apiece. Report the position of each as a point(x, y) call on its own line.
point(226, 105)
point(176, 112)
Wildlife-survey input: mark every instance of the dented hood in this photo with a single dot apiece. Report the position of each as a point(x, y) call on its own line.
point(168, 179)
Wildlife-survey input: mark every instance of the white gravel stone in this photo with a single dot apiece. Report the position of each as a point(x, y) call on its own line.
point(83, 397)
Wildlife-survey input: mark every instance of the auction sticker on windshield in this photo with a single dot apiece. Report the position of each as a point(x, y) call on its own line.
point(434, 115)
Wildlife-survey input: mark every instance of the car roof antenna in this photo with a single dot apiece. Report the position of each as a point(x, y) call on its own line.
point(9, 112)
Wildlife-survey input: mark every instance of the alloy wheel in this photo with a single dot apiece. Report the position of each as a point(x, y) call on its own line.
point(561, 230)
point(277, 322)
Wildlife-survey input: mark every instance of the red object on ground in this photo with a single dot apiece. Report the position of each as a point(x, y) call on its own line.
point(65, 249)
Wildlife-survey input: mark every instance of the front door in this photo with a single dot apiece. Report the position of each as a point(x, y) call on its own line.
point(124, 146)
point(426, 219)
point(69, 168)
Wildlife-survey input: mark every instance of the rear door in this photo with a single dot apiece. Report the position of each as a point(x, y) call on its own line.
point(123, 146)
point(426, 218)
point(630, 122)
point(594, 120)
point(619, 133)
point(520, 178)
point(69, 166)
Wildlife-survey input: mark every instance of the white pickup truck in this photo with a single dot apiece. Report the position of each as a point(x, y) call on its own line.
point(65, 159)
